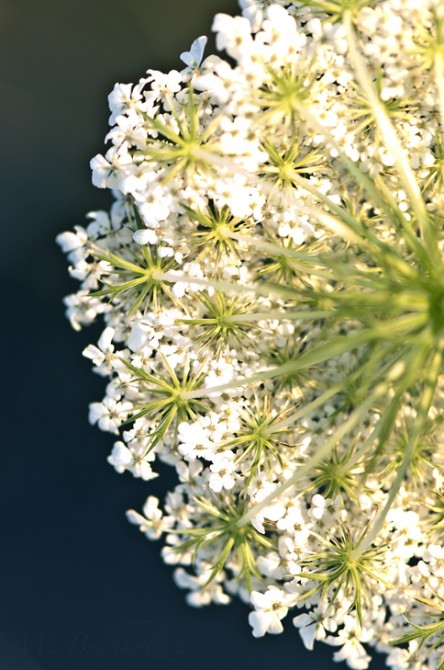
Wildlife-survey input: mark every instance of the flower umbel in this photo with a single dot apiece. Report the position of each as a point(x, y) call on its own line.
point(271, 280)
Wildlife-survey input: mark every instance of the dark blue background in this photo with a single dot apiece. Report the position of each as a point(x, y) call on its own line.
point(80, 587)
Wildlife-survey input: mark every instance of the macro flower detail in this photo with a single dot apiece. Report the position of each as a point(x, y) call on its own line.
point(271, 281)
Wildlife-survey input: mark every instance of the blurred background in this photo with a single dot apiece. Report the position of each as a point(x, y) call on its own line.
point(80, 588)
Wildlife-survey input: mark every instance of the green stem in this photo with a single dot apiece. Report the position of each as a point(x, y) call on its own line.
point(336, 389)
point(373, 244)
point(392, 329)
point(221, 285)
point(438, 72)
point(353, 420)
point(390, 208)
point(412, 362)
point(421, 418)
point(391, 140)
point(311, 315)
point(378, 249)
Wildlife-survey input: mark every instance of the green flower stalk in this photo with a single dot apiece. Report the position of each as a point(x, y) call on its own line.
point(271, 278)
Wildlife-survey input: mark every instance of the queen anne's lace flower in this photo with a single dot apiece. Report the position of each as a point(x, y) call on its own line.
point(270, 277)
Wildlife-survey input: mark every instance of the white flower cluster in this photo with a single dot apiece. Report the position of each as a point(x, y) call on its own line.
point(271, 281)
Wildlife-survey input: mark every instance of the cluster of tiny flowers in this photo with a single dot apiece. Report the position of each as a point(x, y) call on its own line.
point(271, 281)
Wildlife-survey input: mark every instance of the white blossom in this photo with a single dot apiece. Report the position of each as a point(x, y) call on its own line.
point(269, 279)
